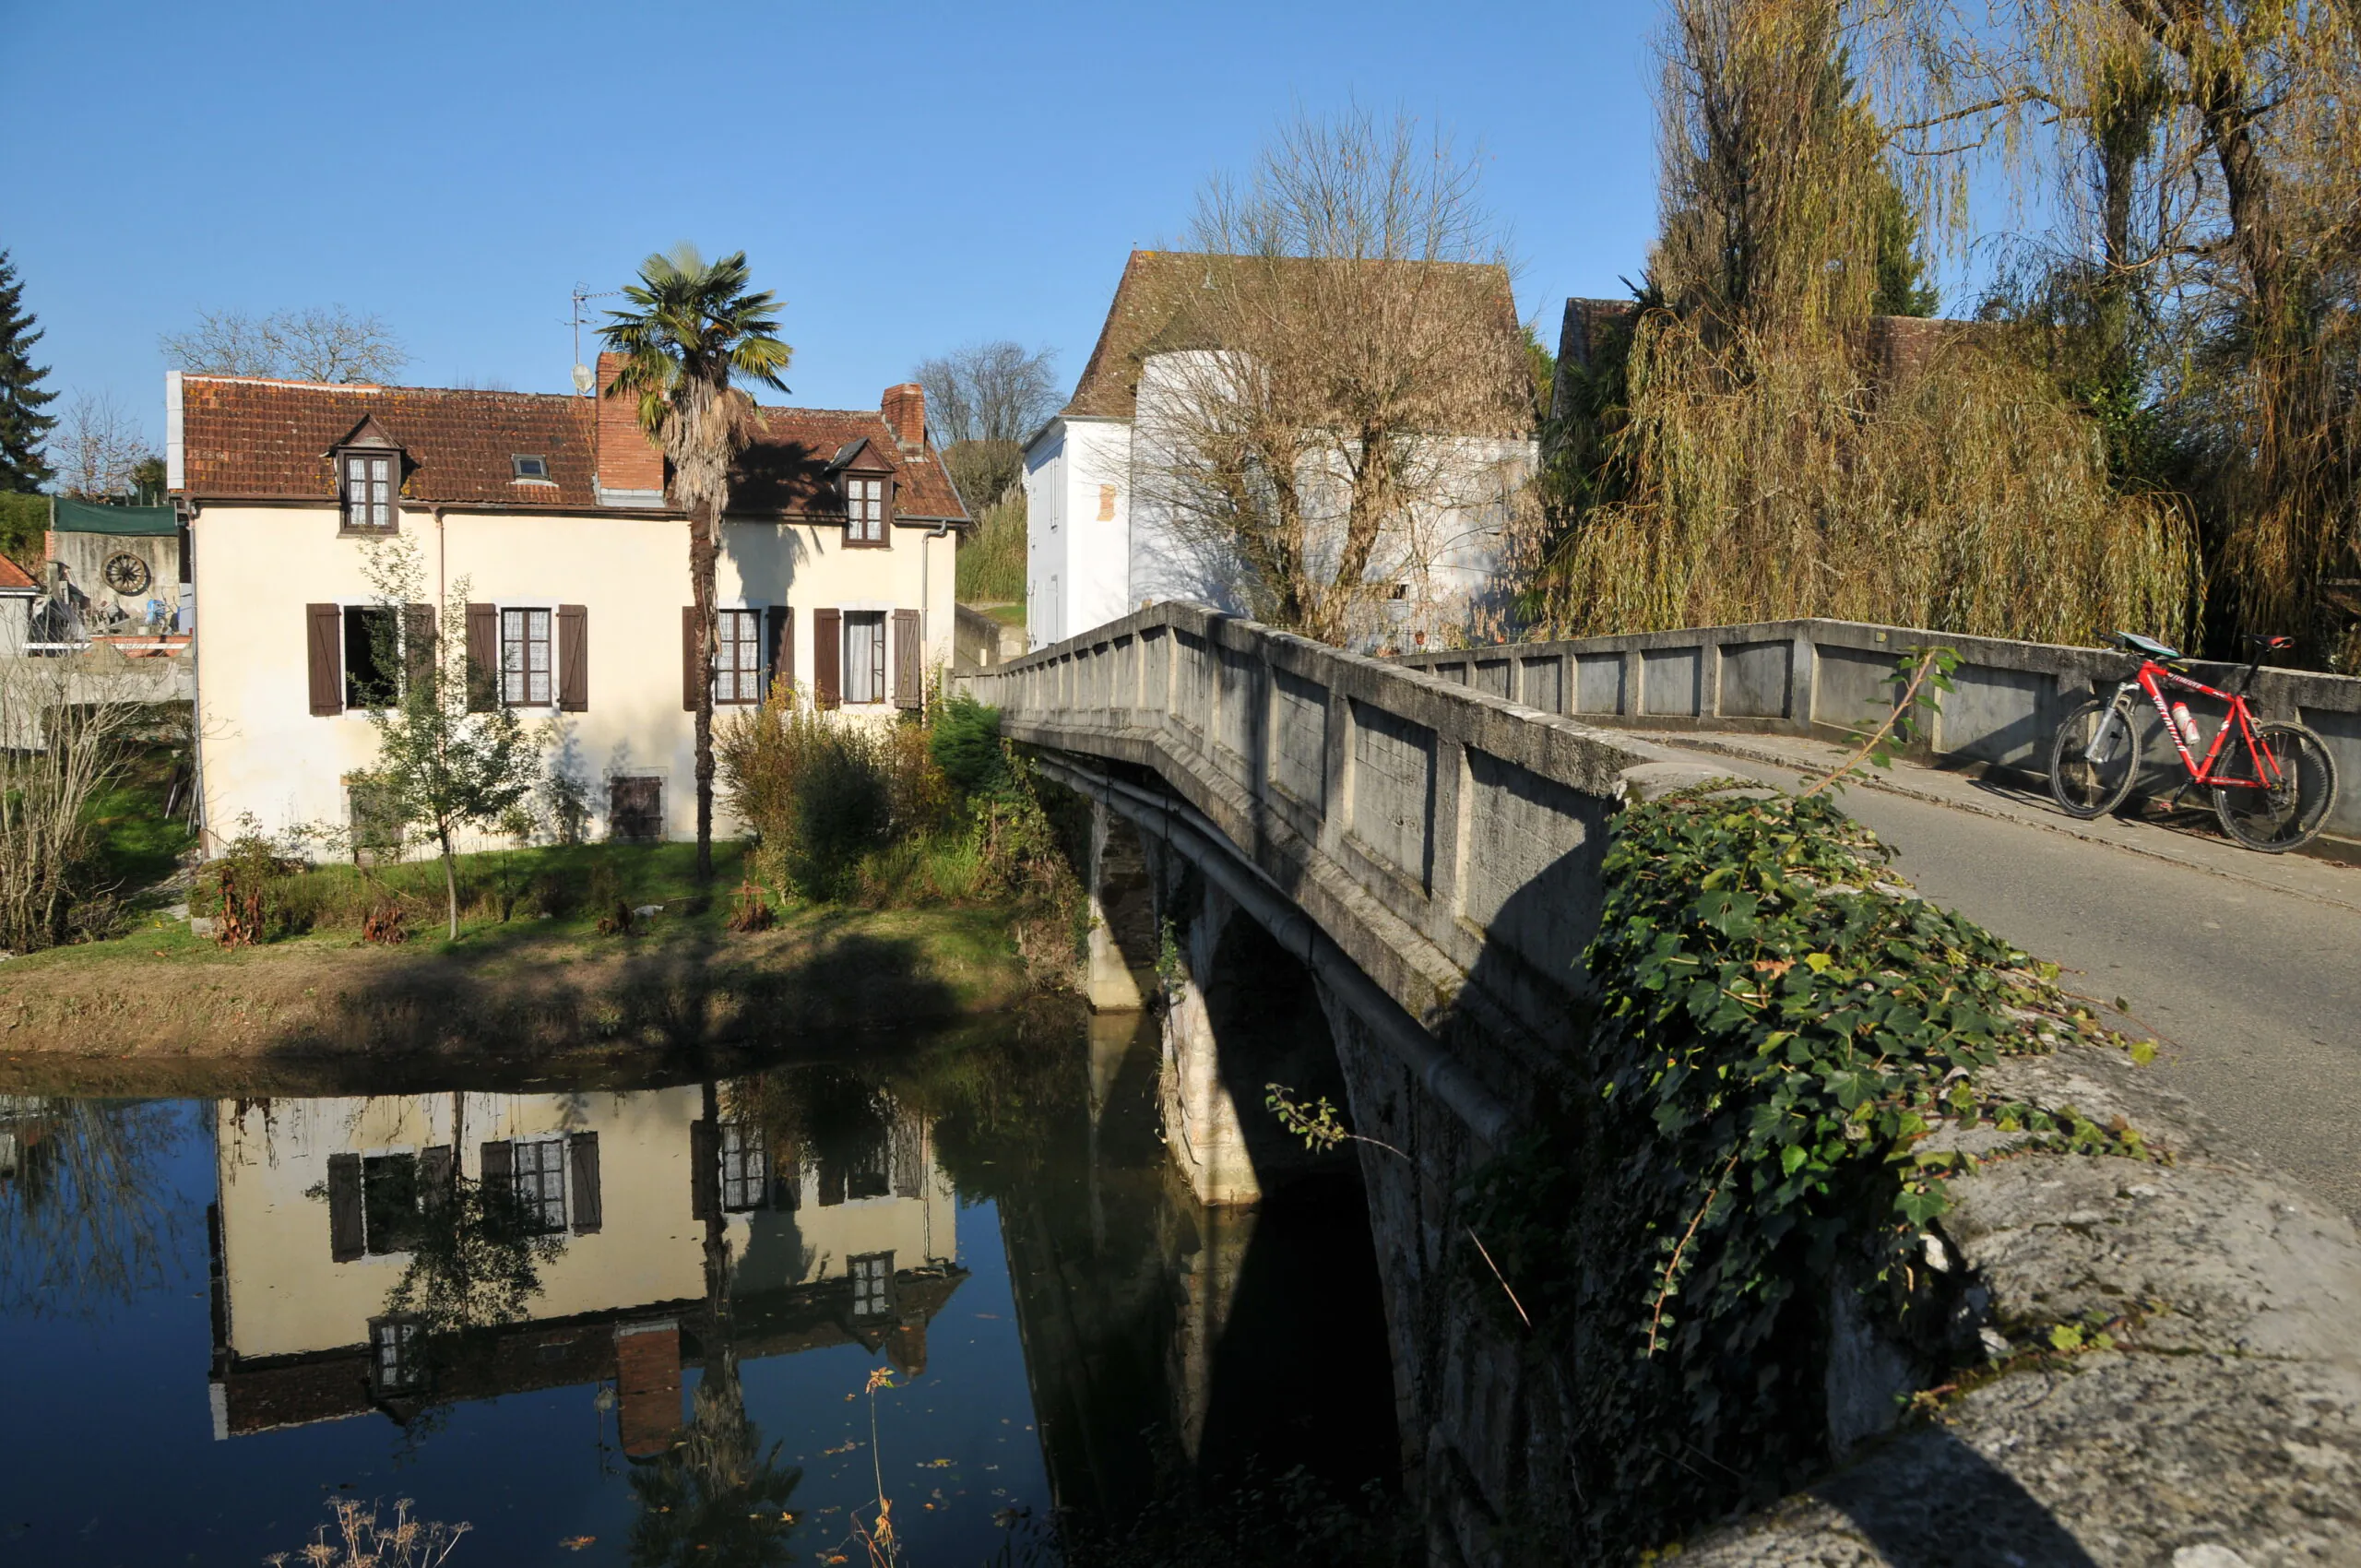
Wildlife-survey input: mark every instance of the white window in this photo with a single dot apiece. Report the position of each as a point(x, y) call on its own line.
point(540, 1177)
point(873, 1283)
point(368, 480)
point(738, 656)
point(527, 669)
point(864, 511)
point(864, 656)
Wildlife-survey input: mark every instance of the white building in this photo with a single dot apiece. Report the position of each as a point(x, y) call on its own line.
point(1100, 544)
point(553, 513)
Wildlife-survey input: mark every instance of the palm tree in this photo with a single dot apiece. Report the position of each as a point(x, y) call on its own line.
point(695, 327)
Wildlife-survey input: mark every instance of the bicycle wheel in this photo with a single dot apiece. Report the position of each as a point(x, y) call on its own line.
point(2294, 797)
point(2095, 760)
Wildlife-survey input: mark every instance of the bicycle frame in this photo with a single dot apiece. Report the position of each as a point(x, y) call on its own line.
point(2152, 678)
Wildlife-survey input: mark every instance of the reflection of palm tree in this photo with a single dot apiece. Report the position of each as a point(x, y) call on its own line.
point(719, 1497)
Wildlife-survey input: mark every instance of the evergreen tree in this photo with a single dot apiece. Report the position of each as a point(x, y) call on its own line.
point(23, 426)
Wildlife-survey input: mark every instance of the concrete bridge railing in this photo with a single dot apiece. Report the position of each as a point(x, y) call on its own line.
point(1822, 678)
point(1448, 841)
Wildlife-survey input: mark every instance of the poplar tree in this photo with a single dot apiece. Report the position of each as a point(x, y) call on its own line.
point(23, 426)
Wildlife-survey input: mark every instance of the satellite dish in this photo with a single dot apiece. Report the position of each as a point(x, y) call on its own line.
point(583, 380)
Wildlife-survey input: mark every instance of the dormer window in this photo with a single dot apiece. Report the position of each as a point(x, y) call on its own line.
point(529, 468)
point(367, 479)
point(864, 509)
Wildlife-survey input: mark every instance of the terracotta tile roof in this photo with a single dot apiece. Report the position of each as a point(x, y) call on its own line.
point(254, 437)
point(250, 437)
point(1150, 314)
point(787, 468)
point(14, 576)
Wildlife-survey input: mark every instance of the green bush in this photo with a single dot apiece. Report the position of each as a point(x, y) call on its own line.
point(966, 746)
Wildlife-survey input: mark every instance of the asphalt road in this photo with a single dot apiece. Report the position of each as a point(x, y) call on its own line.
point(2255, 992)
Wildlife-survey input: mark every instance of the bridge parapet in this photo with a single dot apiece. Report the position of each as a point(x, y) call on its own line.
point(1437, 833)
point(1826, 677)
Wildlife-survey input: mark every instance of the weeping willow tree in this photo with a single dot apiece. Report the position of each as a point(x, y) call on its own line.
point(1774, 451)
point(2205, 156)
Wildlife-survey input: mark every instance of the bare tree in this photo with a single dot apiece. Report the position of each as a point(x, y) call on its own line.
point(1338, 406)
point(329, 343)
point(97, 448)
point(65, 737)
point(993, 391)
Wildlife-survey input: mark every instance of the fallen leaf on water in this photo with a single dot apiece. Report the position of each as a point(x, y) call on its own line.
point(575, 1543)
point(994, 1316)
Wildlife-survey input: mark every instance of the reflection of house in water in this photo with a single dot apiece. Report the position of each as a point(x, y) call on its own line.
point(326, 1204)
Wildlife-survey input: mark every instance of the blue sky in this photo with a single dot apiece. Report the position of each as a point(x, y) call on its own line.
point(906, 177)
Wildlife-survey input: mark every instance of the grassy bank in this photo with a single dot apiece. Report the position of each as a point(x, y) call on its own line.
point(532, 976)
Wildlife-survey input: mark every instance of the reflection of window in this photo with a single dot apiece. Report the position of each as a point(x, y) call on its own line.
point(872, 1284)
point(369, 662)
point(738, 656)
point(390, 1202)
point(394, 1344)
point(538, 1171)
point(864, 674)
point(526, 678)
point(749, 1180)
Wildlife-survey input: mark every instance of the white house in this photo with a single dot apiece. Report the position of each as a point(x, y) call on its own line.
point(836, 572)
point(1100, 544)
point(324, 1204)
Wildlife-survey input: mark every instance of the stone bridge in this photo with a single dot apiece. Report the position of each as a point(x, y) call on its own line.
point(1417, 855)
point(1418, 864)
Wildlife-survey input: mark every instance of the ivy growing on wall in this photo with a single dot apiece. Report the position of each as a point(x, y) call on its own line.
point(1781, 1028)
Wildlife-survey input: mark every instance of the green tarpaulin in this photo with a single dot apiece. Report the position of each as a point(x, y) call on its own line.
point(82, 517)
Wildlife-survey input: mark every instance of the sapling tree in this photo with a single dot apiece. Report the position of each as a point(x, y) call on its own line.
point(448, 758)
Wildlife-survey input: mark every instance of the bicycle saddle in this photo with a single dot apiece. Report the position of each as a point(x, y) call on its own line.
point(2148, 646)
point(2269, 644)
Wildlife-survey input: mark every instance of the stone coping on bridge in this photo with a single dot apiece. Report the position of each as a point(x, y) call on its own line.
point(1448, 840)
point(1827, 677)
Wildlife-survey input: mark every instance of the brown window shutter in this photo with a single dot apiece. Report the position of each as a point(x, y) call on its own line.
point(782, 645)
point(435, 1170)
point(704, 1169)
point(499, 1174)
point(827, 657)
point(582, 1149)
point(323, 644)
point(573, 658)
point(688, 658)
point(418, 642)
point(483, 658)
point(908, 678)
point(344, 1207)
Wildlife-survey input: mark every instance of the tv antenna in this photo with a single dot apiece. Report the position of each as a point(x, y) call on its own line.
point(583, 379)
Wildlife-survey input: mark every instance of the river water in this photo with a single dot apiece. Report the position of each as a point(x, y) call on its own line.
point(686, 1320)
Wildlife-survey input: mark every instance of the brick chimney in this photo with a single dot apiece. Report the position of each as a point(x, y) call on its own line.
point(647, 1379)
point(630, 465)
point(905, 410)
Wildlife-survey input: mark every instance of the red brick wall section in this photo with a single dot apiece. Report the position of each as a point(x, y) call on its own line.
point(647, 1383)
point(905, 410)
point(627, 458)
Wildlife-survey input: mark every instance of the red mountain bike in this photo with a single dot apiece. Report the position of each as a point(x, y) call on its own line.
point(2274, 783)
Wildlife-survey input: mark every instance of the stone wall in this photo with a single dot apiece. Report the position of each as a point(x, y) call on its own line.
point(2222, 1428)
